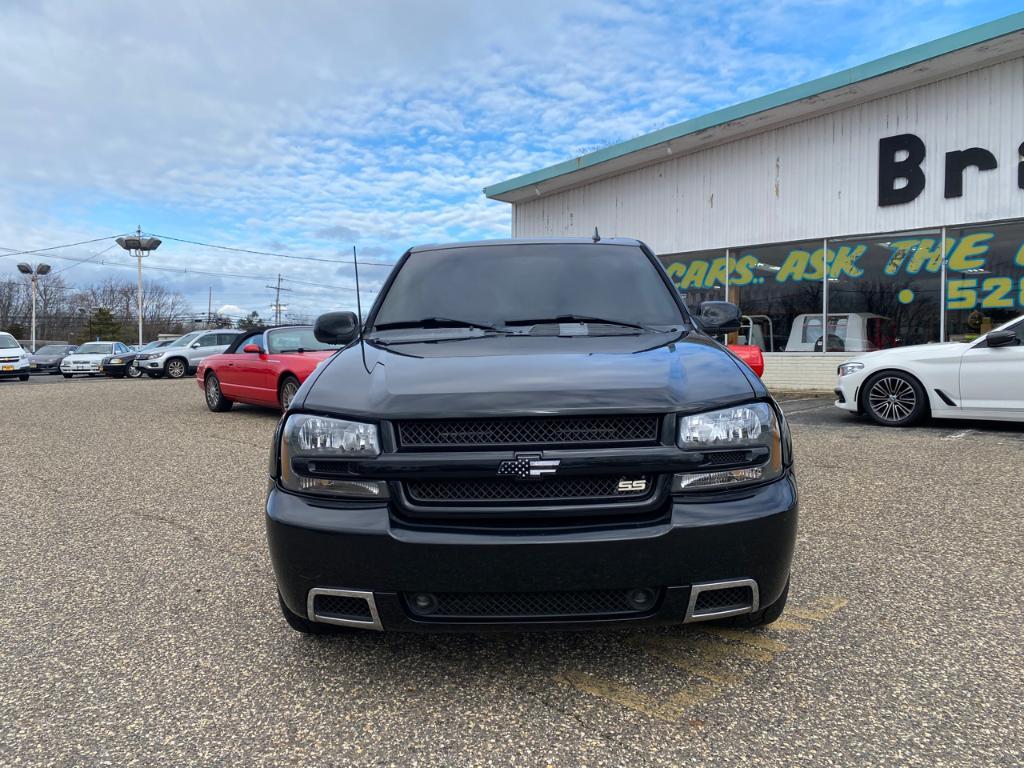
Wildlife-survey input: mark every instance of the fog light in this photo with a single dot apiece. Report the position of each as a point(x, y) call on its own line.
point(640, 599)
point(424, 603)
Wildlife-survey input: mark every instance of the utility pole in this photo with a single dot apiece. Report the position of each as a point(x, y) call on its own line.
point(277, 300)
point(209, 308)
point(139, 246)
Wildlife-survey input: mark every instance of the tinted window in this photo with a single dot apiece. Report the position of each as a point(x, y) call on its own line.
point(210, 340)
point(500, 283)
point(224, 339)
point(184, 341)
point(95, 348)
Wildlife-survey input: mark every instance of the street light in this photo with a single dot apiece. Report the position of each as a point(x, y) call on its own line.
point(36, 273)
point(139, 246)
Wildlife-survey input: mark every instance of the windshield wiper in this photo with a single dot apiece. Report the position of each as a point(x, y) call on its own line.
point(584, 319)
point(440, 322)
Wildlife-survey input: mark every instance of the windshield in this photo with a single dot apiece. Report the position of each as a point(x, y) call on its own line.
point(54, 349)
point(295, 339)
point(154, 345)
point(95, 348)
point(8, 342)
point(184, 341)
point(498, 284)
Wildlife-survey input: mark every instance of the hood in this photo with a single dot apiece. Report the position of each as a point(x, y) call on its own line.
point(913, 352)
point(87, 358)
point(46, 358)
point(529, 375)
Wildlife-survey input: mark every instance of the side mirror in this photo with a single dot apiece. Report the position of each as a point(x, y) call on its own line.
point(194, 345)
point(719, 317)
point(252, 348)
point(336, 328)
point(1001, 339)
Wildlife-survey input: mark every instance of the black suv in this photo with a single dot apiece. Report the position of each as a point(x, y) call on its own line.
point(530, 433)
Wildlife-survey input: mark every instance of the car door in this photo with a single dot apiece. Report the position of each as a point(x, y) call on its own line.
point(990, 379)
point(250, 370)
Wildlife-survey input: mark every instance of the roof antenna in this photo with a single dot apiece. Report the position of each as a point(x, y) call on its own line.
point(359, 309)
point(597, 236)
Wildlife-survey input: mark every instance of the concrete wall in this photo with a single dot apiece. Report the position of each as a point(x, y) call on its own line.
point(796, 371)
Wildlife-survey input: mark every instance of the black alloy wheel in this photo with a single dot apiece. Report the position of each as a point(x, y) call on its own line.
point(215, 399)
point(894, 399)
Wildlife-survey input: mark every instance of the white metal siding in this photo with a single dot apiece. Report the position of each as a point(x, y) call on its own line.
point(811, 179)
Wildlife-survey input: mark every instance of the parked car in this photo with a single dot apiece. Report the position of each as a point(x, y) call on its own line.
point(265, 366)
point(47, 359)
point(530, 433)
point(750, 355)
point(88, 357)
point(846, 332)
point(14, 359)
point(957, 380)
point(119, 366)
point(181, 357)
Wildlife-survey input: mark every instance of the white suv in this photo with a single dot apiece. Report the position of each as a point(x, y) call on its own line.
point(13, 358)
point(182, 356)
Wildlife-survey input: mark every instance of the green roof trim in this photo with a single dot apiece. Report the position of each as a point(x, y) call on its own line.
point(895, 61)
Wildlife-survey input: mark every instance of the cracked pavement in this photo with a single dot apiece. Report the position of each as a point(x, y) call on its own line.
point(139, 623)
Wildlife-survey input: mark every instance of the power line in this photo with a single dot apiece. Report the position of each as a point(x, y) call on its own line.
point(55, 247)
point(272, 253)
point(84, 261)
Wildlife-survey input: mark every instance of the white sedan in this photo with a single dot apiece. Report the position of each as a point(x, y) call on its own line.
point(982, 379)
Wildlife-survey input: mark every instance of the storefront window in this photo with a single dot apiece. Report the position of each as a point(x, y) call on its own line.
point(778, 289)
point(984, 278)
point(884, 291)
point(700, 276)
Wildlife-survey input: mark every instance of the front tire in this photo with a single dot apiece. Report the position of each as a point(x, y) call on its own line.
point(133, 372)
point(176, 368)
point(67, 375)
point(894, 399)
point(215, 399)
point(155, 374)
point(23, 377)
point(286, 392)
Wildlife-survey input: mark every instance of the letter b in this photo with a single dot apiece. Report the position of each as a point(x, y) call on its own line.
point(890, 169)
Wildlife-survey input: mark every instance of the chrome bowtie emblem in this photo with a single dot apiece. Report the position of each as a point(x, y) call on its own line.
point(527, 465)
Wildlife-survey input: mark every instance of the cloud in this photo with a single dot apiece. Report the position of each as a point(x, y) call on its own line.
point(250, 123)
point(338, 232)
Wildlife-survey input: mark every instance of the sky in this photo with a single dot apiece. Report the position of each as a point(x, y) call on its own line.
point(303, 129)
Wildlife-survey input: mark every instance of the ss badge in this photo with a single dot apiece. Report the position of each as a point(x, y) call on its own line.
point(628, 486)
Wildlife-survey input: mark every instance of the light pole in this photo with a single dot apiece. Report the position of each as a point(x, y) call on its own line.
point(139, 246)
point(35, 274)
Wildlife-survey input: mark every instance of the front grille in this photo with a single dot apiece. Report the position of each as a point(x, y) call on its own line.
point(530, 432)
point(529, 605)
point(340, 607)
point(723, 599)
point(500, 489)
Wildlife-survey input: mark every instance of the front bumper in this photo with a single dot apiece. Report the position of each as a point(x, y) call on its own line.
point(150, 365)
point(14, 369)
point(362, 546)
point(847, 392)
point(116, 370)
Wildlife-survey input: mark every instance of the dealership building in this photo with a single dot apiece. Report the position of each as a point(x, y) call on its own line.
point(880, 206)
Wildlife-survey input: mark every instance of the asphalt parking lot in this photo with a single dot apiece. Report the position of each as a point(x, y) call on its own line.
point(139, 623)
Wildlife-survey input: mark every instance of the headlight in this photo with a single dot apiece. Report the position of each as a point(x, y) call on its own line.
point(847, 368)
point(751, 431)
point(115, 361)
point(309, 446)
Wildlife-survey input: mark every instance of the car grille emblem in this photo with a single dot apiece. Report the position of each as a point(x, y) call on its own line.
point(527, 465)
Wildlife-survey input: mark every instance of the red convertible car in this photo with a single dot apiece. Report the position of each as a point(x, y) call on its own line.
point(265, 366)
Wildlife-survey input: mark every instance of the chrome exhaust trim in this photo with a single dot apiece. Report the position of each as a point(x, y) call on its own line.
point(372, 623)
point(706, 614)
